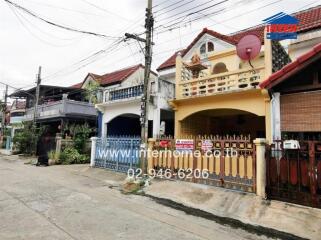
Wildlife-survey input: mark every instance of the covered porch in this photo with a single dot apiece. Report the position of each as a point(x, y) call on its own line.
point(237, 113)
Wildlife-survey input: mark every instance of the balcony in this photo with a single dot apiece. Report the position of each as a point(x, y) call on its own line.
point(17, 119)
point(207, 85)
point(123, 94)
point(62, 108)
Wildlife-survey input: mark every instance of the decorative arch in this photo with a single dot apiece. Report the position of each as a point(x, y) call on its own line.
point(124, 125)
point(129, 115)
point(220, 68)
point(225, 110)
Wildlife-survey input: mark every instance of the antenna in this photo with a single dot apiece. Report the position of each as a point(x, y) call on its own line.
point(248, 47)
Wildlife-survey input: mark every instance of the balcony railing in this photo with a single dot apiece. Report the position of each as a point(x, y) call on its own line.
point(124, 93)
point(17, 119)
point(62, 108)
point(220, 83)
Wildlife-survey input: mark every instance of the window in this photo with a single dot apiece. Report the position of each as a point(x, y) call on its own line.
point(210, 47)
point(203, 49)
point(219, 68)
point(207, 47)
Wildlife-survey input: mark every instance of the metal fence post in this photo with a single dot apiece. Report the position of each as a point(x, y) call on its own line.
point(93, 151)
point(149, 154)
point(260, 167)
point(58, 145)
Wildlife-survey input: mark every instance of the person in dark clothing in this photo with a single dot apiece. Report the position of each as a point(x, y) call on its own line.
point(42, 149)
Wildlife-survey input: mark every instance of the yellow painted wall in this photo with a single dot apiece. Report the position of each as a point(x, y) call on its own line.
point(253, 101)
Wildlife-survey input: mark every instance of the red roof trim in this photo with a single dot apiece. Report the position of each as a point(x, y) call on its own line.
point(290, 69)
point(114, 77)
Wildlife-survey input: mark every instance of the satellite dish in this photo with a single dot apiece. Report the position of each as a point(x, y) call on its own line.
point(248, 47)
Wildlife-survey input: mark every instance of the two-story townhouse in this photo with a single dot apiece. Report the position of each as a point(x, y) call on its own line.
point(224, 97)
point(57, 107)
point(120, 108)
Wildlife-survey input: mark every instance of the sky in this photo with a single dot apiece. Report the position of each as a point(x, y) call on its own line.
point(66, 57)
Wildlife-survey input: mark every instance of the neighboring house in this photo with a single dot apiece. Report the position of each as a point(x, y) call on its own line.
point(296, 98)
point(57, 107)
point(121, 102)
point(224, 96)
point(17, 116)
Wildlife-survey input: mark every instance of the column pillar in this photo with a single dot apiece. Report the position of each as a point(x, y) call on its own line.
point(260, 167)
point(93, 151)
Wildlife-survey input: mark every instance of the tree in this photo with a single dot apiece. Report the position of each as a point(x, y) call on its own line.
point(91, 94)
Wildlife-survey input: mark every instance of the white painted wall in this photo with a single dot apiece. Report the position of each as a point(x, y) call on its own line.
point(219, 45)
point(163, 92)
point(303, 44)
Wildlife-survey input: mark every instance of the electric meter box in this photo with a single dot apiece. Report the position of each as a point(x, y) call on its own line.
point(291, 144)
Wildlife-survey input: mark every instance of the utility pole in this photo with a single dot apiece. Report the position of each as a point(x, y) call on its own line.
point(149, 23)
point(38, 82)
point(4, 109)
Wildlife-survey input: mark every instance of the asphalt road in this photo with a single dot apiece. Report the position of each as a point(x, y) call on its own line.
point(76, 202)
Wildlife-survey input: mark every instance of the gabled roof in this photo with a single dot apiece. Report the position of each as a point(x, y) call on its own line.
point(217, 35)
point(171, 61)
point(309, 19)
point(119, 75)
point(113, 77)
point(292, 68)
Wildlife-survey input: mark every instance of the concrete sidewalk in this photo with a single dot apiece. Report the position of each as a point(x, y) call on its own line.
point(298, 220)
point(248, 208)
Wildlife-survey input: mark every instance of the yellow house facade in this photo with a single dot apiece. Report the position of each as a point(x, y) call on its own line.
point(222, 97)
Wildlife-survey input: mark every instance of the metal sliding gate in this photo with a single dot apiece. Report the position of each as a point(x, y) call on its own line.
point(117, 153)
point(295, 175)
point(236, 172)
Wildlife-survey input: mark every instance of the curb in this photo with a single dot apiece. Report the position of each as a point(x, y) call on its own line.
point(255, 229)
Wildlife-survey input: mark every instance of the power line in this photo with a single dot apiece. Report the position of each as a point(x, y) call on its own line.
point(161, 3)
point(173, 4)
point(17, 14)
point(90, 59)
point(225, 20)
point(105, 10)
point(182, 12)
point(64, 9)
point(57, 25)
point(190, 14)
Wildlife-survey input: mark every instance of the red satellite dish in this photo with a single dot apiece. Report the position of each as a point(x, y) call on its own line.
point(248, 47)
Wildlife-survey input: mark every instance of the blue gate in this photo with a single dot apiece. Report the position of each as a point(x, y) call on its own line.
point(118, 153)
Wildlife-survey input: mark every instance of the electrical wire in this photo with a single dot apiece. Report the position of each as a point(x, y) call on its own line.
point(105, 10)
point(225, 20)
point(85, 61)
point(57, 25)
point(17, 14)
point(182, 18)
point(185, 12)
point(173, 4)
point(161, 3)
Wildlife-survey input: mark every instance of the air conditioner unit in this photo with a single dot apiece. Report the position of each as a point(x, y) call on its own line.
point(291, 144)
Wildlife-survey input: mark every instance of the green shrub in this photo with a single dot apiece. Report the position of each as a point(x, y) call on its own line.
point(25, 140)
point(71, 155)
